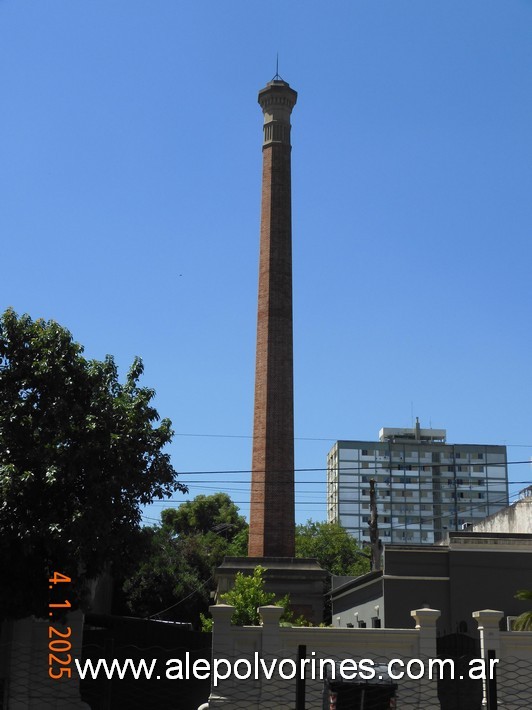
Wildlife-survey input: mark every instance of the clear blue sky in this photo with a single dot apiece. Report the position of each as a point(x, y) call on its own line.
point(130, 159)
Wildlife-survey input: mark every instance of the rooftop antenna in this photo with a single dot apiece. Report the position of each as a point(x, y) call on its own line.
point(277, 77)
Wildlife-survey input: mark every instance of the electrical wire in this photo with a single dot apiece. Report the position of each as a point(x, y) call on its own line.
point(158, 613)
point(358, 467)
point(315, 438)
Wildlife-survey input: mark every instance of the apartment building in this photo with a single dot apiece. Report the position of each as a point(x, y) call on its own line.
point(425, 486)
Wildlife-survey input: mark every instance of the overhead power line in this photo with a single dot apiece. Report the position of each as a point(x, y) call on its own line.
point(314, 438)
point(462, 509)
point(349, 469)
point(250, 436)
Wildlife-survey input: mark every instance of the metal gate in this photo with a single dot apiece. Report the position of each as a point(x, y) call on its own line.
point(460, 692)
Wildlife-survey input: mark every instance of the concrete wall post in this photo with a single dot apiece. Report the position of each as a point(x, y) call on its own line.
point(426, 627)
point(276, 693)
point(222, 648)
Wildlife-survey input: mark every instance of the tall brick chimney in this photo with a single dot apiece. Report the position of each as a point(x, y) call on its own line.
point(272, 519)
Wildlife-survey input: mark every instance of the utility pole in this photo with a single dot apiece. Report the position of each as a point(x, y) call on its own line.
point(374, 528)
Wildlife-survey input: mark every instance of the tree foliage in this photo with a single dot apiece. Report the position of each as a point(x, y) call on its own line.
point(246, 596)
point(170, 578)
point(173, 574)
point(336, 551)
point(205, 514)
point(174, 577)
point(524, 620)
point(79, 454)
point(333, 547)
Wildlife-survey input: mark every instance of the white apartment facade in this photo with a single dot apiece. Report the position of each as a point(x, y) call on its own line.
point(425, 487)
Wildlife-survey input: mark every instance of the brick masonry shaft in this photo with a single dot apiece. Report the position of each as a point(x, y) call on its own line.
point(272, 518)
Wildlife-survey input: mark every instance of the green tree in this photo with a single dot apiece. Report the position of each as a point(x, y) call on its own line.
point(246, 596)
point(205, 514)
point(79, 454)
point(174, 575)
point(336, 551)
point(333, 547)
point(170, 578)
point(524, 620)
